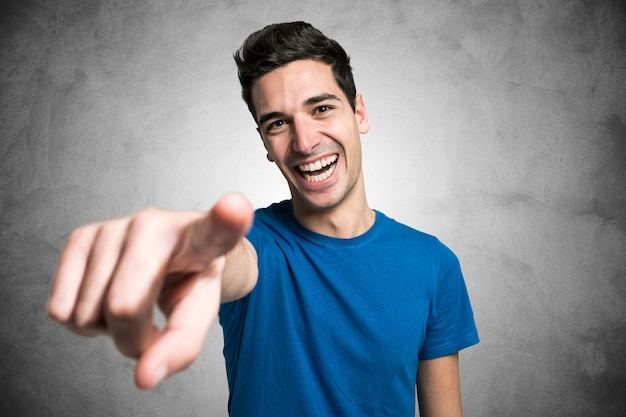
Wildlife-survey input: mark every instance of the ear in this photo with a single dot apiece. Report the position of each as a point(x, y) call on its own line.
point(269, 158)
point(361, 114)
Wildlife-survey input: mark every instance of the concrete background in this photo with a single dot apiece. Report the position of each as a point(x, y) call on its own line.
point(499, 126)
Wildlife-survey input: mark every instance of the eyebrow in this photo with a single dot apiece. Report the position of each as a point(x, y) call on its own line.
point(320, 98)
point(275, 114)
point(308, 102)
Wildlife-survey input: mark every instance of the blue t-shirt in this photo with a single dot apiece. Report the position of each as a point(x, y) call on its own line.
point(336, 327)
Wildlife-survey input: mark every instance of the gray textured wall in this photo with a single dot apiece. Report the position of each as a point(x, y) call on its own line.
point(499, 126)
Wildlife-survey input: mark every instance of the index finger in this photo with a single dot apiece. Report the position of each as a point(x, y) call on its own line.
point(160, 245)
point(213, 235)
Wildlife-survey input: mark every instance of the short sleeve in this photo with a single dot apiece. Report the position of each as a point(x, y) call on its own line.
point(451, 326)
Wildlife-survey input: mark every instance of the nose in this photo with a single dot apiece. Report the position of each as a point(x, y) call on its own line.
point(304, 137)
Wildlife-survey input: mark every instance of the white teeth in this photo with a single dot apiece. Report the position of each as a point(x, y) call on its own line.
point(317, 165)
point(320, 177)
point(307, 170)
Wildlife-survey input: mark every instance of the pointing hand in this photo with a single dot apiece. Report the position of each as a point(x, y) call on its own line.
point(111, 275)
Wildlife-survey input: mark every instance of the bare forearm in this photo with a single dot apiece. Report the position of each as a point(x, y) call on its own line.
point(241, 271)
point(438, 387)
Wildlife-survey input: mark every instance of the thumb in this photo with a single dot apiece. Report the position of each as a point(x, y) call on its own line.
point(213, 234)
point(193, 303)
point(180, 342)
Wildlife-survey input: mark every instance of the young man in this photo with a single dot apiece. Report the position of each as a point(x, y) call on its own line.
point(328, 307)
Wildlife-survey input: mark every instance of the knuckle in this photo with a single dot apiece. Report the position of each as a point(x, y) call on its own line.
point(122, 308)
point(80, 236)
point(85, 318)
point(150, 222)
point(147, 218)
point(156, 229)
point(81, 327)
point(111, 227)
point(57, 313)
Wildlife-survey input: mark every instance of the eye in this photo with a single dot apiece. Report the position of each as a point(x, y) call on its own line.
point(275, 125)
point(322, 109)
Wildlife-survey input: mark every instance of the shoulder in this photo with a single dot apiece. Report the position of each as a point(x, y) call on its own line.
point(406, 233)
point(271, 222)
point(275, 212)
point(416, 243)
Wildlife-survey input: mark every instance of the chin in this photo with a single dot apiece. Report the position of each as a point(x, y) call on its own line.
point(320, 204)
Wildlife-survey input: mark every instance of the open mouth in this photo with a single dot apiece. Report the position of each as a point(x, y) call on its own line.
point(319, 170)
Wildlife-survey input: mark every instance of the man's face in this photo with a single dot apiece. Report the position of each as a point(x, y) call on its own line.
point(311, 132)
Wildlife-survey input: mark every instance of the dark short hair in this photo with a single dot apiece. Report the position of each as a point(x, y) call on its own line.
point(279, 44)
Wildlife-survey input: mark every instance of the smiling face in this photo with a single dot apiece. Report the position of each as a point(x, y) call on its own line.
point(312, 134)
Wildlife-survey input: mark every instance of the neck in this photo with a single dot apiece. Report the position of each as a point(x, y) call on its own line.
point(350, 218)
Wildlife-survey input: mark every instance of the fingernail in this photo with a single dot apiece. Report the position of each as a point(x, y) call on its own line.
point(160, 375)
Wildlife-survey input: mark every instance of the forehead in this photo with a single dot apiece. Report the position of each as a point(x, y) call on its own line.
point(292, 84)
